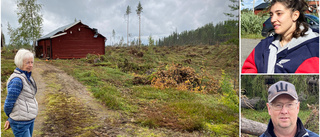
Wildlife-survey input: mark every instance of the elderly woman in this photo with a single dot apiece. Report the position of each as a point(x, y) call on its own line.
point(21, 105)
point(294, 48)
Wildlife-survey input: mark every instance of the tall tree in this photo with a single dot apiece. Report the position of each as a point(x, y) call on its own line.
point(139, 10)
point(14, 39)
point(113, 35)
point(3, 42)
point(30, 21)
point(121, 42)
point(151, 41)
point(128, 11)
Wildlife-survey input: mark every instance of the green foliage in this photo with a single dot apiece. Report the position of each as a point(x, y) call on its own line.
point(234, 41)
point(30, 19)
point(3, 40)
point(252, 36)
point(7, 133)
point(233, 7)
point(151, 41)
point(223, 130)
point(7, 67)
point(128, 11)
point(251, 24)
point(139, 10)
point(112, 98)
point(207, 35)
point(230, 97)
point(256, 115)
point(114, 85)
point(182, 110)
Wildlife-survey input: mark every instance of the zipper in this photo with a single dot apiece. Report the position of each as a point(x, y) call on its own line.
point(27, 106)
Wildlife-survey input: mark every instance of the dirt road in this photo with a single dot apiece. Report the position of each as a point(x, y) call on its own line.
point(67, 108)
point(49, 78)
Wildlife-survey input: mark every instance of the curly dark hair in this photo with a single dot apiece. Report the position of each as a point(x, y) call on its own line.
point(296, 5)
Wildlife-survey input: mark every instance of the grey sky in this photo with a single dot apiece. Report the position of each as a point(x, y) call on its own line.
point(159, 17)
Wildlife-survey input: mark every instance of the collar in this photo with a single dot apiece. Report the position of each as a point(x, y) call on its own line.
point(310, 34)
point(301, 131)
point(28, 74)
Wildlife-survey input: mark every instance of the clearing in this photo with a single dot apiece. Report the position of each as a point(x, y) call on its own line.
point(101, 120)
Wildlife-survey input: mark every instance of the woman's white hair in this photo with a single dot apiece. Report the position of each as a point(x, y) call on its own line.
point(21, 55)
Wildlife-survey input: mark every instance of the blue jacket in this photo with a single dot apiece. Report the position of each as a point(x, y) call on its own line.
point(301, 131)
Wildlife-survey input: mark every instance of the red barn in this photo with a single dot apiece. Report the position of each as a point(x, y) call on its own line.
point(261, 8)
point(75, 40)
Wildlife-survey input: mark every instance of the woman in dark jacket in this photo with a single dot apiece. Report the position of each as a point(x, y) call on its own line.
point(294, 48)
point(21, 105)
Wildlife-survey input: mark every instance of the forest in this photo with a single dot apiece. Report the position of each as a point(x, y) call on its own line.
point(209, 34)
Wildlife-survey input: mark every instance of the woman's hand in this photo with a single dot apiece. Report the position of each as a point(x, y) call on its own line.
point(6, 125)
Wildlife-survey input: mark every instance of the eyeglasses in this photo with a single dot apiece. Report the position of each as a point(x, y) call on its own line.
point(279, 106)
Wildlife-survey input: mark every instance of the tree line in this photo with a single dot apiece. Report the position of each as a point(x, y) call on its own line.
point(208, 34)
point(30, 21)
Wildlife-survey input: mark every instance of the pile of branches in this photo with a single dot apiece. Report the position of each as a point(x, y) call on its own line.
point(177, 76)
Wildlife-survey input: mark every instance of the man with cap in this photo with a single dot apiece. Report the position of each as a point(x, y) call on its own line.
point(283, 107)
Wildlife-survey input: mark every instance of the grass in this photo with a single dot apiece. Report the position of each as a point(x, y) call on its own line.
point(7, 67)
point(252, 36)
point(121, 80)
point(152, 107)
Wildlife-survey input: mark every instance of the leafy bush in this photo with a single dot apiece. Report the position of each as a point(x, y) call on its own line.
point(230, 97)
point(251, 24)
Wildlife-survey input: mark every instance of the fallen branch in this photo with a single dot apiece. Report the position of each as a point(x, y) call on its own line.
point(252, 127)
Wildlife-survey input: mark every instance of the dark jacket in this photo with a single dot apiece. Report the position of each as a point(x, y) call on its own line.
point(301, 131)
point(300, 58)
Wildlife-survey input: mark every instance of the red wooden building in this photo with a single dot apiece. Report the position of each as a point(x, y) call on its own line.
point(75, 40)
point(261, 8)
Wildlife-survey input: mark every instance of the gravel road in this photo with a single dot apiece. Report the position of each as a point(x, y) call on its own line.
point(247, 45)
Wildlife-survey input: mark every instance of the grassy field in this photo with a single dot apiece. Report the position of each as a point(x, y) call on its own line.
point(7, 67)
point(252, 36)
point(184, 88)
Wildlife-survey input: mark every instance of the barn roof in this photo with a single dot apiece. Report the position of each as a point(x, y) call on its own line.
point(61, 29)
point(261, 6)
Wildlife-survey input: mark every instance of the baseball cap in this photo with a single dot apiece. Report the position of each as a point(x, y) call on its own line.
point(281, 87)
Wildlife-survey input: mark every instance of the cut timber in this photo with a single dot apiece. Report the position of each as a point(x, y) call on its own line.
point(249, 103)
point(252, 127)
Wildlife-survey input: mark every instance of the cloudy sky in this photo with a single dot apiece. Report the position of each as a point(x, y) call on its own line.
point(249, 3)
point(159, 17)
